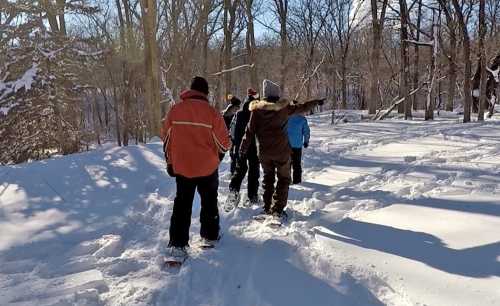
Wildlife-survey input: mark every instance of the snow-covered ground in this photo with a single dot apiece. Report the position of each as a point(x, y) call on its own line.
point(390, 213)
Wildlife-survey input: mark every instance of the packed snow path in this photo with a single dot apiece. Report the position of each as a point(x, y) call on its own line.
point(394, 212)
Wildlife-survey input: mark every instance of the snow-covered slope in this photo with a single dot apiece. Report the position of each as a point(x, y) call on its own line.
point(394, 212)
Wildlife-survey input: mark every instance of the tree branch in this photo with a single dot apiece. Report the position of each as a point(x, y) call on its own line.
point(233, 69)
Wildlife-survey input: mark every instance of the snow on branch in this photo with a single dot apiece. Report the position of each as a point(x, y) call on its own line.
point(92, 54)
point(233, 69)
point(50, 54)
point(495, 73)
point(421, 43)
point(25, 81)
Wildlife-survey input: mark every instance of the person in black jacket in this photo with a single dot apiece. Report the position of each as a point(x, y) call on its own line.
point(231, 109)
point(229, 114)
point(249, 163)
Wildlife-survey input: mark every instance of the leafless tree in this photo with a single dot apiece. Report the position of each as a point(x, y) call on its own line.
point(152, 85)
point(482, 59)
point(378, 11)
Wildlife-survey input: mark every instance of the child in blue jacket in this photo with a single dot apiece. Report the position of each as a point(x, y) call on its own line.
point(298, 137)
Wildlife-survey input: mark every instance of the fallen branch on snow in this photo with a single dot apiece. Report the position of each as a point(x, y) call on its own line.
point(396, 102)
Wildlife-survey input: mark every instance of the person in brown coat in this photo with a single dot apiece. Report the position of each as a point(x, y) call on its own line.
point(268, 123)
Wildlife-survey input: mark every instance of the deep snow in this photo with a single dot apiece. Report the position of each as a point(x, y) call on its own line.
point(391, 212)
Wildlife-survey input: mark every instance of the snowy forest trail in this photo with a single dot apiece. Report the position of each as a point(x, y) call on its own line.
point(390, 213)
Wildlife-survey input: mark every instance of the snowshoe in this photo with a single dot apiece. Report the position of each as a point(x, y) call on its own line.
point(232, 201)
point(278, 219)
point(251, 202)
point(262, 215)
point(176, 257)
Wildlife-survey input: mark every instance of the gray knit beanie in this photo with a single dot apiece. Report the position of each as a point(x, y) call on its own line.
point(271, 91)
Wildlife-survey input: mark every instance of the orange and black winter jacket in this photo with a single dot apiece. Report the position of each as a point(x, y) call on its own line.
point(194, 133)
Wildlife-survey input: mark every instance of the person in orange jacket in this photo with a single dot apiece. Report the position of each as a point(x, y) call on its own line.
point(195, 137)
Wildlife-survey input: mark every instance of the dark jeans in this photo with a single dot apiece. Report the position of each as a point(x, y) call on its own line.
point(275, 199)
point(297, 165)
point(252, 165)
point(181, 216)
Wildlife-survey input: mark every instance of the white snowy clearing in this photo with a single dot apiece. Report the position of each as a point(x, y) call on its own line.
point(390, 213)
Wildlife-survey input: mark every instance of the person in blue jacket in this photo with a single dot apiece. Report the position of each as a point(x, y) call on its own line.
point(298, 137)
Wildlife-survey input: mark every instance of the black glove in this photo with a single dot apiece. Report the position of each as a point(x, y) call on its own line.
point(170, 170)
point(306, 144)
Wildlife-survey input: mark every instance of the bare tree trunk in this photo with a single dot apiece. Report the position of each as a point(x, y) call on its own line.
point(125, 92)
point(174, 45)
point(416, 63)
point(282, 9)
point(467, 80)
point(51, 15)
point(130, 51)
point(405, 60)
point(95, 114)
point(149, 17)
point(205, 41)
point(377, 27)
point(61, 4)
point(429, 106)
point(467, 61)
point(219, 90)
point(117, 117)
point(229, 23)
point(452, 73)
point(250, 41)
point(331, 88)
point(482, 56)
point(452, 58)
point(106, 116)
point(344, 80)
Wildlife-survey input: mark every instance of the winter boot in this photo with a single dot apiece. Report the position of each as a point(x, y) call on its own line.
point(232, 200)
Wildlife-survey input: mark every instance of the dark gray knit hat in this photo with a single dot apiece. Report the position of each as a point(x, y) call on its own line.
point(271, 90)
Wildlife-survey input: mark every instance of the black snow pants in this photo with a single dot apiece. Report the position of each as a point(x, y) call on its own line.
point(297, 165)
point(181, 216)
point(234, 160)
point(251, 164)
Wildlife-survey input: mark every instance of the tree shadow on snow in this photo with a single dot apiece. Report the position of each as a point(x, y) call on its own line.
point(387, 198)
point(92, 192)
point(280, 282)
point(479, 262)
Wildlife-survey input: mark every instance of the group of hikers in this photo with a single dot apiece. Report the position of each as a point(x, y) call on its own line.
point(268, 132)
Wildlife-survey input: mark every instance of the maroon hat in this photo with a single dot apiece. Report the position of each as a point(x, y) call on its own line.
point(251, 92)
